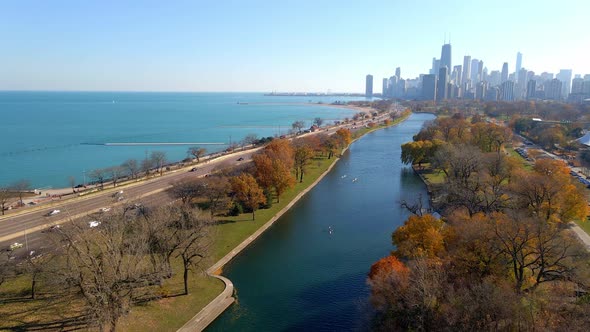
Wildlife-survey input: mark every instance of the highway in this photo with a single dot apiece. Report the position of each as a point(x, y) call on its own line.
point(30, 227)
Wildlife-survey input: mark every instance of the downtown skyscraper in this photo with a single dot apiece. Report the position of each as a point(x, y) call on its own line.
point(369, 86)
point(518, 67)
point(466, 70)
point(445, 57)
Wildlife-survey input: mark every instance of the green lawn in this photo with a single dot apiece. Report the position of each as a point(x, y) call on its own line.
point(525, 164)
point(585, 225)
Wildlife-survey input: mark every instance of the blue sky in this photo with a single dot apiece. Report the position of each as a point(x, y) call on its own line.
point(274, 45)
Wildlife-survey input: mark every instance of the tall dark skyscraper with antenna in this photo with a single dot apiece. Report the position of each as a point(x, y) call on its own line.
point(445, 56)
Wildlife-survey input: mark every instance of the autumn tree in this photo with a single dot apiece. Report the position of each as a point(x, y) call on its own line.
point(536, 251)
point(280, 149)
point(548, 192)
point(420, 236)
point(303, 156)
point(330, 144)
point(344, 136)
point(197, 152)
point(272, 173)
point(388, 277)
point(247, 191)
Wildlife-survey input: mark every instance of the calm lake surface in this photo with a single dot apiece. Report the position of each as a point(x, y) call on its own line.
point(300, 277)
point(42, 134)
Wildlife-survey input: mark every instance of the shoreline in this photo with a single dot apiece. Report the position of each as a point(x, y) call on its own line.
point(216, 307)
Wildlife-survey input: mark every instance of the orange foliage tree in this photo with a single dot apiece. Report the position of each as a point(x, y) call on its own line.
point(247, 191)
point(549, 193)
point(344, 137)
point(420, 236)
point(273, 166)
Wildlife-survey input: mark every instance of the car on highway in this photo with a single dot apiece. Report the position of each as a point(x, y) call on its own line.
point(105, 209)
point(52, 228)
point(240, 159)
point(194, 169)
point(93, 223)
point(15, 246)
point(52, 213)
point(118, 193)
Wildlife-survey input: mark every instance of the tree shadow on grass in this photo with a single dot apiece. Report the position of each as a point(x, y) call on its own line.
point(62, 324)
point(227, 221)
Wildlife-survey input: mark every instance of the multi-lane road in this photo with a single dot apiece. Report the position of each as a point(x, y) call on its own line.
point(29, 227)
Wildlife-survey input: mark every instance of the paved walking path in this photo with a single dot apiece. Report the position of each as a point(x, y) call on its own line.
point(583, 236)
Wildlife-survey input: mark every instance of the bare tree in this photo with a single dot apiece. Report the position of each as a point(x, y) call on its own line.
point(298, 125)
point(35, 267)
point(187, 190)
point(98, 176)
point(72, 182)
point(132, 167)
point(116, 172)
point(5, 196)
point(146, 166)
point(107, 265)
point(250, 139)
point(216, 191)
point(159, 159)
point(7, 266)
point(192, 238)
point(197, 152)
point(21, 187)
point(318, 121)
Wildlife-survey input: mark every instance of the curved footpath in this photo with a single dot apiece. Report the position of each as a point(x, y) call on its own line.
point(216, 307)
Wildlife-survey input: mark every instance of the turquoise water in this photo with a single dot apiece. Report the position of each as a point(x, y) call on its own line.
point(42, 133)
point(300, 277)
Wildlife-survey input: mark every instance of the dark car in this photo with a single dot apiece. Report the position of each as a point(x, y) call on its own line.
point(194, 169)
point(240, 159)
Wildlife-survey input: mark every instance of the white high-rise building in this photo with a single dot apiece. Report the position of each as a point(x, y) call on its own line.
point(565, 76)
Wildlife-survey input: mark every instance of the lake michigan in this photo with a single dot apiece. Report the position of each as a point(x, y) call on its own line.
point(44, 135)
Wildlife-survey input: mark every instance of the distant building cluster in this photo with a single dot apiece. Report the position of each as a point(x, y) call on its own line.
point(472, 80)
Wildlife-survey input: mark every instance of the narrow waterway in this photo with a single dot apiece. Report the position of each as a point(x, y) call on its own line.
point(308, 271)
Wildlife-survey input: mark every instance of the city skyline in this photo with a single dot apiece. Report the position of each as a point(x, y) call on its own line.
point(259, 46)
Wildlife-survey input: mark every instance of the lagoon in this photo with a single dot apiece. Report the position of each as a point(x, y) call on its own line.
point(300, 276)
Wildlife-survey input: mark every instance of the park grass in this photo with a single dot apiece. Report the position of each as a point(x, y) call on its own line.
point(525, 164)
point(173, 310)
point(585, 225)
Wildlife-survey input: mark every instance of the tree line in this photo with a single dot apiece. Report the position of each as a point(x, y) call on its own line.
point(275, 169)
point(502, 257)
